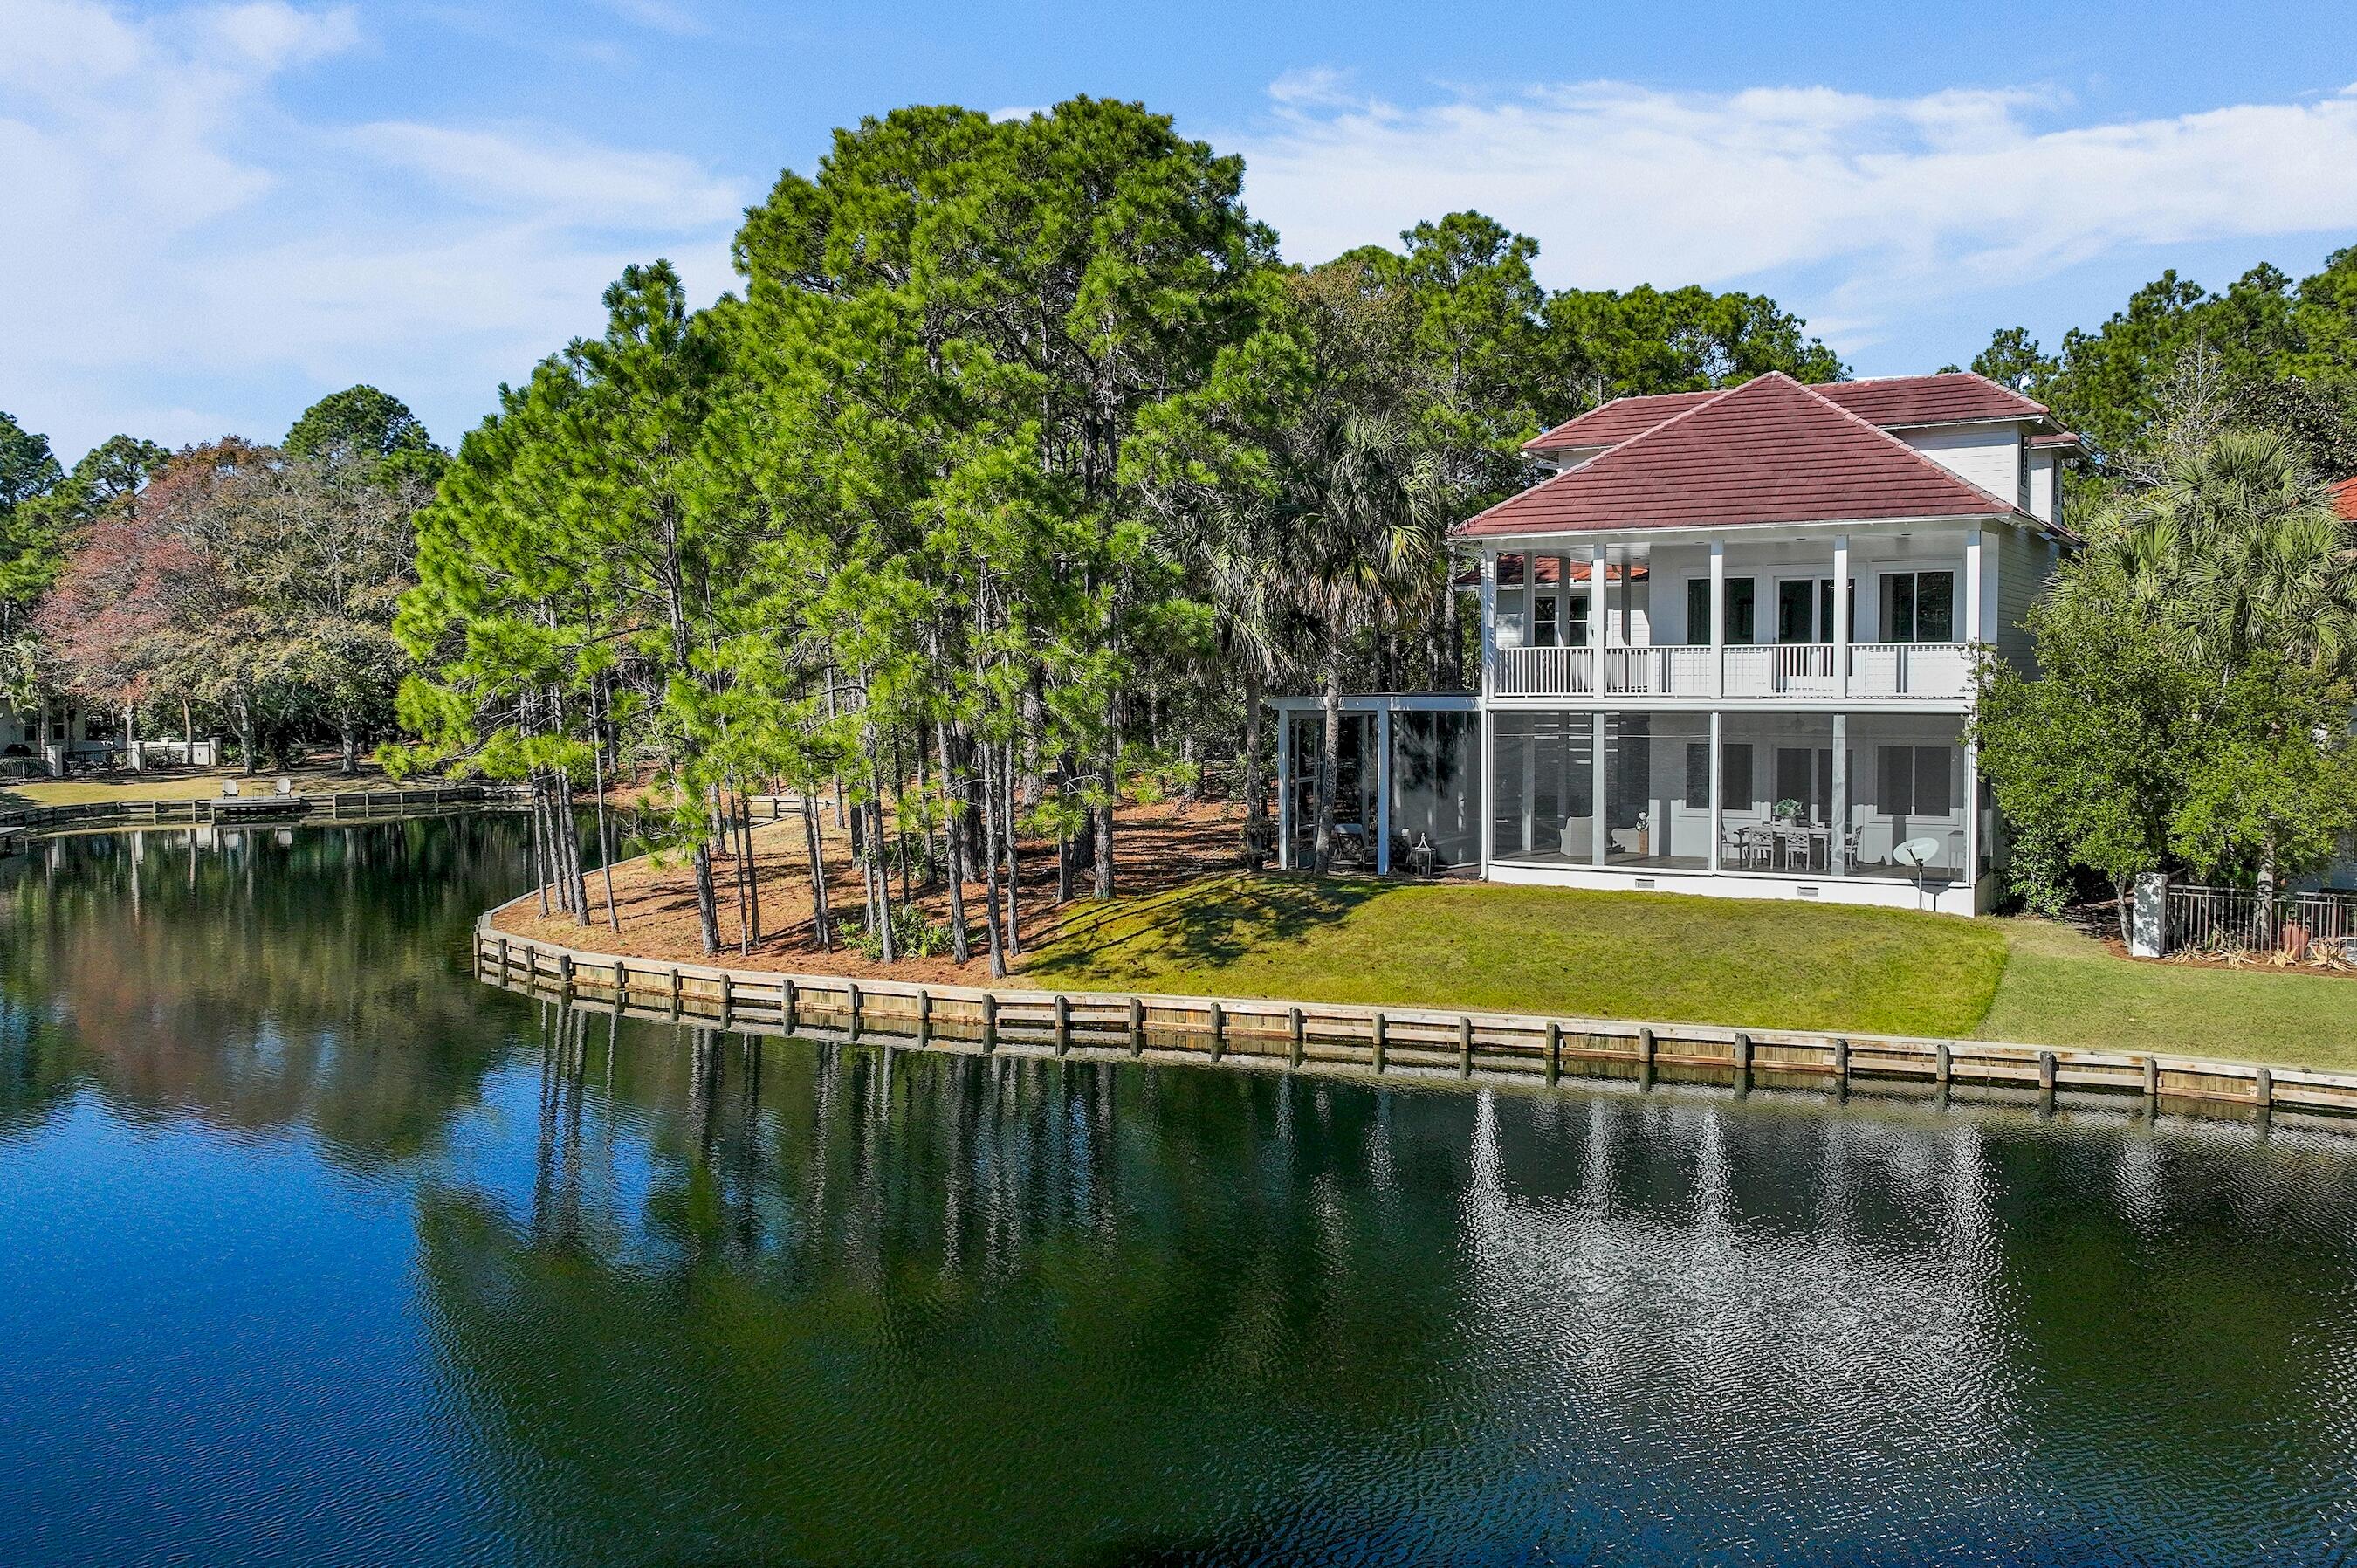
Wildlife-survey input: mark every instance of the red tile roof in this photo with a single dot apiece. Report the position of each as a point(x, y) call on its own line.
point(1957, 397)
point(1609, 424)
point(1769, 451)
point(2344, 498)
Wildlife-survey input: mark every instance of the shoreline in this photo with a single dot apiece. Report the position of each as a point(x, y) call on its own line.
point(1421, 1044)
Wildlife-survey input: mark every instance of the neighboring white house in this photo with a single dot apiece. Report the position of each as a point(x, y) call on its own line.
point(1728, 647)
point(38, 743)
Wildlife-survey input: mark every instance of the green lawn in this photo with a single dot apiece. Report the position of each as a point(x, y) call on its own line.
point(1539, 949)
point(2063, 988)
point(1641, 955)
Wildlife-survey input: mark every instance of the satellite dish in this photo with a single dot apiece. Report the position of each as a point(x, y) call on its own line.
point(1917, 853)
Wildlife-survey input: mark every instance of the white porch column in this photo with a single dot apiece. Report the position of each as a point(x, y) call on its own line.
point(1383, 791)
point(1489, 589)
point(1599, 834)
point(1530, 760)
point(1836, 863)
point(1284, 789)
point(1972, 627)
point(1841, 622)
point(1717, 806)
point(1487, 818)
point(1717, 644)
point(1599, 618)
point(1563, 601)
point(1972, 868)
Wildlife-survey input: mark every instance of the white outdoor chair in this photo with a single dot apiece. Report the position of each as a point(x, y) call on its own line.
point(285, 785)
point(229, 789)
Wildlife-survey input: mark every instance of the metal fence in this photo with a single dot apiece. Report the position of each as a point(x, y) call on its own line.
point(2244, 920)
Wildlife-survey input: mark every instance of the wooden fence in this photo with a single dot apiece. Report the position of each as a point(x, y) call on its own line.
point(1419, 1042)
point(350, 806)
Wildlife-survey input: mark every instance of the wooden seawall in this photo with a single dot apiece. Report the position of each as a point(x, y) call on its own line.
point(1423, 1043)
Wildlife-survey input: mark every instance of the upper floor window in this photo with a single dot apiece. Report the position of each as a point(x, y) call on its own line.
point(1804, 609)
point(1919, 606)
point(1742, 614)
point(1559, 620)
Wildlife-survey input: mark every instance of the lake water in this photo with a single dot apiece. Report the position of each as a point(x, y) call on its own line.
point(313, 1249)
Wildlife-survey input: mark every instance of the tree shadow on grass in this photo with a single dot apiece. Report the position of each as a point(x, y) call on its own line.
point(1201, 925)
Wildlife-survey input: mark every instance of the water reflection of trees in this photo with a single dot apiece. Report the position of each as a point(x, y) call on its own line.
point(259, 979)
point(822, 1303)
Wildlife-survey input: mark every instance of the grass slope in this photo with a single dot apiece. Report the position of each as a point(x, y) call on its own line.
point(2064, 988)
point(1538, 950)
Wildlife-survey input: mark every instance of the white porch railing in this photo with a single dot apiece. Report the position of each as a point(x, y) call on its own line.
point(1665, 671)
point(1879, 671)
point(1544, 673)
point(1781, 669)
point(1920, 670)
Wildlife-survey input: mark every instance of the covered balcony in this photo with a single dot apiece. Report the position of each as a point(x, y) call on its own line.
point(1800, 619)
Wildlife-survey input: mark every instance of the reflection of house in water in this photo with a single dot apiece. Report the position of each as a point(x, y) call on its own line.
point(1728, 646)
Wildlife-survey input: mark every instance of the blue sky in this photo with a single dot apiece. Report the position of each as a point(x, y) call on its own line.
point(212, 214)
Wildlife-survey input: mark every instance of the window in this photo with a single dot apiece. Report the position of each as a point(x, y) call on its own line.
point(1916, 781)
point(1697, 775)
point(1919, 606)
point(1804, 776)
point(1735, 774)
point(1799, 619)
point(1577, 636)
point(1543, 626)
point(1740, 618)
point(1795, 612)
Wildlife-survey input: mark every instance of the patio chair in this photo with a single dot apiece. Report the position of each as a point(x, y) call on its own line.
point(1797, 844)
point(229, 789)
point(285, 785)
point(1421, 856)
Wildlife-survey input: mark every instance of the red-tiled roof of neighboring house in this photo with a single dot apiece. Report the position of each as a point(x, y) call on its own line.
point(1957, 397)
point(2344, 498)
point(1769, 451)
point(1510, 572)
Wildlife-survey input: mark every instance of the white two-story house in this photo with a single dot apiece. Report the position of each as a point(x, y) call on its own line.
point(1728, 646)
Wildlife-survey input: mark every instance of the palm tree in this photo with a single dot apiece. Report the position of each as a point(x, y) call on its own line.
point(1359, 554)
point(2237, 549)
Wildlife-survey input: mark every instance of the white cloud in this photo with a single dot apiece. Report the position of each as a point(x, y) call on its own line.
point(662, 15)
point(557, 177)
point(1893, 200)
point(204, 259)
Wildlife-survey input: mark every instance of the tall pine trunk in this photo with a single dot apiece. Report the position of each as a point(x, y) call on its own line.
point(955, 831)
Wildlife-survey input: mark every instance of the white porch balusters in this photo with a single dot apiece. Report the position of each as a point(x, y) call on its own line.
point(1840, 635)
